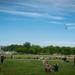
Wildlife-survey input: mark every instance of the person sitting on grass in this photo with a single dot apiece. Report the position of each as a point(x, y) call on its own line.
point(56, 67)
point(46, 63)
point(48, 68)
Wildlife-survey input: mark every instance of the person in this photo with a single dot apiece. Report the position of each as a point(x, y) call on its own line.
point(0, 68)
point(56, 67)
point(2, 59)
point(11, 56)
point(48, 68)
point(65, 59)
point(19, 57)
point(54, 58)
point(46, 63)
point(43, 61)
point(74, 61)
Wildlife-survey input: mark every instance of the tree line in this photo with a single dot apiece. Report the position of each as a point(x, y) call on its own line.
point(27, 48)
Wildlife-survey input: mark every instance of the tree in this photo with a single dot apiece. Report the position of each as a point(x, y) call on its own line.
point(36, 49)
point(27, 45)
point(57, 49)
point(43, 50)
point(51, 49)
point(63, 49)
point(68, 50)
point(73, 50)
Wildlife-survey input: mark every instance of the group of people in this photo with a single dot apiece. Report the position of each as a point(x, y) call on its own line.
point(48, 67)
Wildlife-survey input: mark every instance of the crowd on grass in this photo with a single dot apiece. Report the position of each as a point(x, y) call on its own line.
point(48, 67)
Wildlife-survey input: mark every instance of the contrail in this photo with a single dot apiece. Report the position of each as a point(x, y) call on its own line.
point(69, 26)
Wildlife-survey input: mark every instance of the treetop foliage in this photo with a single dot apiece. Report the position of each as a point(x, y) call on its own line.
point(36, 49)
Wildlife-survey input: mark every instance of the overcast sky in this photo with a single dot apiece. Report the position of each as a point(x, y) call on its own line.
point(40, 22)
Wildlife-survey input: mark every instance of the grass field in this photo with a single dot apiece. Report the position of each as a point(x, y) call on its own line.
point(35, 67)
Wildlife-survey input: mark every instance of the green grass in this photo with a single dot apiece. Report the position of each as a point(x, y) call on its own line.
point(35, 67)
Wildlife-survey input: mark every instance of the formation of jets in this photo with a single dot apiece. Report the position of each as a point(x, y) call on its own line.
point(69, 26)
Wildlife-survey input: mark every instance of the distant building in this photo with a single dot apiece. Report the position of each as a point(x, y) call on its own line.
point(11, 52)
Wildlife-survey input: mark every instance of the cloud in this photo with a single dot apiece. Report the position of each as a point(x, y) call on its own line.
point(29, 5)
point(59, 43)
point(70, 24)
point(51, 5)
point(55, 43)
point(53, 9)
point(56, 22)
point(70, 27)
point(21, 13)
point(32, 14)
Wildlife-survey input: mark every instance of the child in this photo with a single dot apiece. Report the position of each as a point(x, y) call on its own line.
point(48, 68)
point(46, 63)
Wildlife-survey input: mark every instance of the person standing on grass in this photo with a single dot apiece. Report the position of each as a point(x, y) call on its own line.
point(11, 56)
point(43, 61)
point(74, 61)
point(2, 59)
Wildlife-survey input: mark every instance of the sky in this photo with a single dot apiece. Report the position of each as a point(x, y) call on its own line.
point(40, 22)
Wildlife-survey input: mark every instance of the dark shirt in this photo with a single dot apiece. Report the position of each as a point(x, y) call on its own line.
point(56, 68)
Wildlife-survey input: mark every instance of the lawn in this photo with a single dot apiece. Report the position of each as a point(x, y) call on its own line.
point(35, 67)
